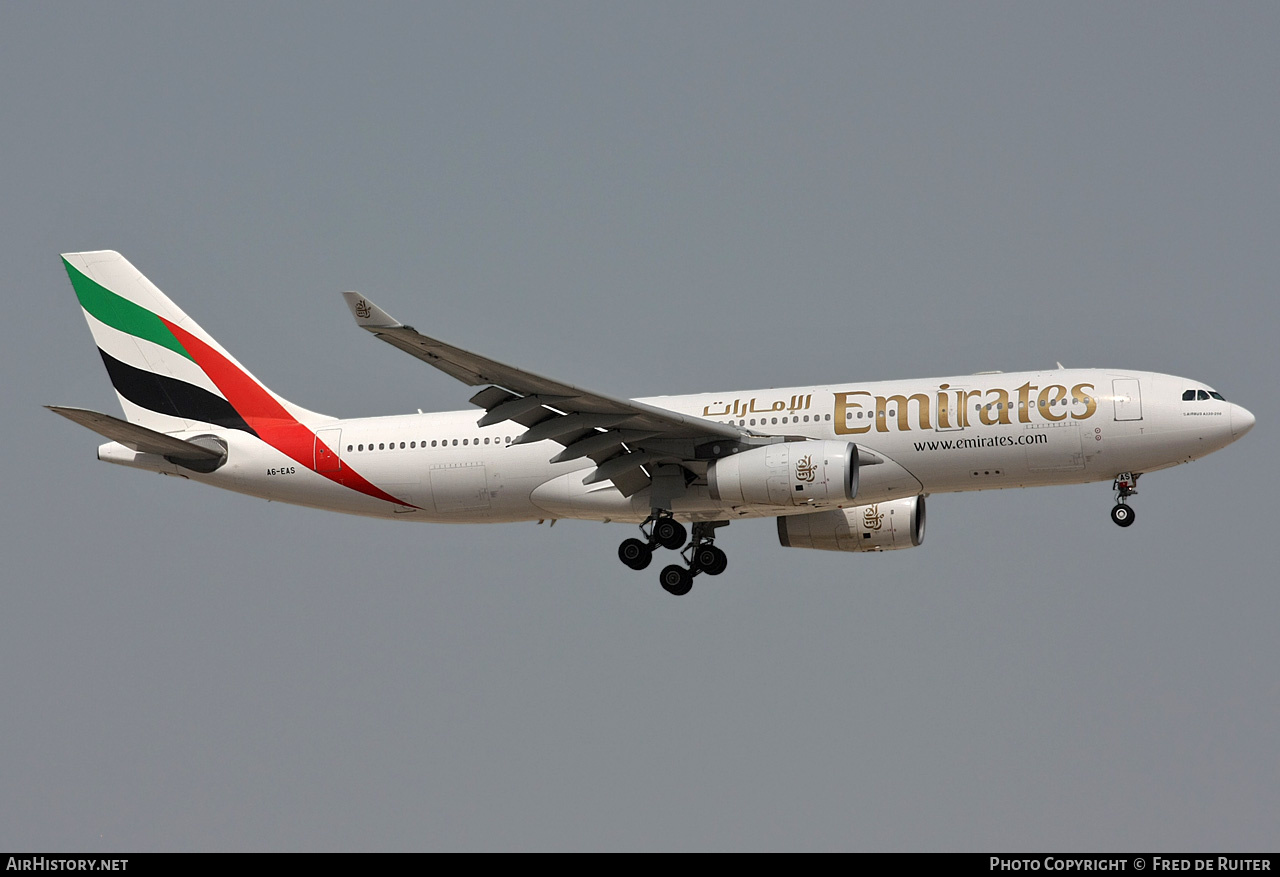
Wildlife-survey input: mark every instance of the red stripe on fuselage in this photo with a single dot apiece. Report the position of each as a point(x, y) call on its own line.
point(268, 418)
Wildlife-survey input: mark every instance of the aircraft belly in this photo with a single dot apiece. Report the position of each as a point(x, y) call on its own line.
point(567, 497)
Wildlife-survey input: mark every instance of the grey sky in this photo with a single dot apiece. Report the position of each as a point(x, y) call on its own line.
point(644, 199)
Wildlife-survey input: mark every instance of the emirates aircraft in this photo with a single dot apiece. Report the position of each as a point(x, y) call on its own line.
point(842, 467)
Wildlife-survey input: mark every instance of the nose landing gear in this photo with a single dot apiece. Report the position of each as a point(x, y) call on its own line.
point(700, 555)
point(1125, 486)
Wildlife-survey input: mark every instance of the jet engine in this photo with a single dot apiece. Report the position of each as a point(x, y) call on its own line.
point(883, 526)
point(787, 474)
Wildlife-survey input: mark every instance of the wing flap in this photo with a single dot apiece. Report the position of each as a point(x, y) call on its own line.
point(600, 446)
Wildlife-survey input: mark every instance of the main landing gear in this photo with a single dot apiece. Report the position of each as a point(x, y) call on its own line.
point(663, 530)
point(1125, 485)
point(700, 555)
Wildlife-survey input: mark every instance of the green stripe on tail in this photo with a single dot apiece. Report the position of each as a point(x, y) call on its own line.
point(120, 313)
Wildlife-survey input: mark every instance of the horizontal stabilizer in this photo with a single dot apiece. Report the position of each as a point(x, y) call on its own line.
point(138, 438)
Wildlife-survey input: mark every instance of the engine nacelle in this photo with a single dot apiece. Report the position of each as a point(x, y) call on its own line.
point(883, 526)
point(787, 473)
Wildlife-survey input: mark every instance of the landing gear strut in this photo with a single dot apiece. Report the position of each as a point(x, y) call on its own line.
point(700, 555)
point(1125, 486)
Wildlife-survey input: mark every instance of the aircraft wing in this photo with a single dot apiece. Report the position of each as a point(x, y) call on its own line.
point(620, 435)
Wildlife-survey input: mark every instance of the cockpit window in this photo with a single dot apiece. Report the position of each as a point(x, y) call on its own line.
point(1201, 395)
point(1189, 396)
point(1217, 396)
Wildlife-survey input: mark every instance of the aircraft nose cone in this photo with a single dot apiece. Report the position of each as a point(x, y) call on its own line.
point(1241, 420)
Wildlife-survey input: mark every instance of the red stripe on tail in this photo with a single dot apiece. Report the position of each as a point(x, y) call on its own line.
point(268, 418)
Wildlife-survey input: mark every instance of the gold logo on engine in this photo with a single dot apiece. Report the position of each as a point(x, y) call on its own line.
point(871, 517)
point(805, 469)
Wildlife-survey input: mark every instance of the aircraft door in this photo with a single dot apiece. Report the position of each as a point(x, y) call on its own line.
point(328, 450)
point(1128, 399)
point(1060, 450)
point(459, 487)
point(951, 411)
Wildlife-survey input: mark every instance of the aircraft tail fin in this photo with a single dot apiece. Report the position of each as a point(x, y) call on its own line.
point(169, 374)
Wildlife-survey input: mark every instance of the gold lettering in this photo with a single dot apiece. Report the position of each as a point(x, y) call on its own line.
point(964, 407)
point(944, 406)
point(990, 413)
point(1049, 397)
point(842, 414)
point(994, 406)
point(1024, 406)
point(1090, 403)
point(922, 409)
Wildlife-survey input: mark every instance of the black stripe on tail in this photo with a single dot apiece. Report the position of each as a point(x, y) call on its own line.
point(166, 395)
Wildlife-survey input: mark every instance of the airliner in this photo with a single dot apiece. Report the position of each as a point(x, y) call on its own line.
point(841, 467)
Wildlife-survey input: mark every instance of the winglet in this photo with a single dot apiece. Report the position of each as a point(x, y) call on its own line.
point(368, 315)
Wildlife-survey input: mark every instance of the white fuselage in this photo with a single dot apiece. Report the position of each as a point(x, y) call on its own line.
point(967, 432)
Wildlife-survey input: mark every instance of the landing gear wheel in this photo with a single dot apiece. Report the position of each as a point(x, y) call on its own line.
point(669, 533)
point(1122, 514)
point(704, 557)
point(676, 580)
point(635, 553)
point(710, 560)
point(719, 565)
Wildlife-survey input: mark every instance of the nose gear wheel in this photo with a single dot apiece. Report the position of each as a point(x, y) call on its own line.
point(1125, 486)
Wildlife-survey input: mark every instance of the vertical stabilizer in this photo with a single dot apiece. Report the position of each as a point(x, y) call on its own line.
point(169, 374)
